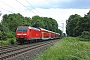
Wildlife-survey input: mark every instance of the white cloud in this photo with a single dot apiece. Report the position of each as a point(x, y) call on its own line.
point(48, 3)
point(45, 2)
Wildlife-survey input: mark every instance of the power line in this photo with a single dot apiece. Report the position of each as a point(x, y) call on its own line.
point(9, 6)
point(25, 6)
point(6, 10)
point(33, 6)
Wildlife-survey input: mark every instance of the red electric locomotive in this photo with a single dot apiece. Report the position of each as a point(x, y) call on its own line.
point(27, 33)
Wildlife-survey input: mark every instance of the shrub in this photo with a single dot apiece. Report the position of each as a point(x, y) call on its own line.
point(12, 41)
point(0, 35)
point(5, 35)
point(85, 35)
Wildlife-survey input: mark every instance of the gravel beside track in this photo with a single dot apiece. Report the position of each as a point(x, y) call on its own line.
point(24, 52)
point(30, 54)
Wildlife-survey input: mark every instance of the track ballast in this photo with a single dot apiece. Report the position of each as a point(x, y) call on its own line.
point(8, 52)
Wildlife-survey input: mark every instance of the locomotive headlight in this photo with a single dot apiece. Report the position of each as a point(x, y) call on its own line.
point(24, 34)
point(19, 34)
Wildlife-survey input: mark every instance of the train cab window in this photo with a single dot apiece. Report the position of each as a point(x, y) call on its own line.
point(22, 29)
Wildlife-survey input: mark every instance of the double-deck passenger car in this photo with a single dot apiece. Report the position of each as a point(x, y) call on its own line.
point(27, 33)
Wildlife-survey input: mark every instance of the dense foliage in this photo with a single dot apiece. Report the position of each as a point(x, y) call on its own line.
point(77, 24)
point(45, 22)
point(11, 21)
point(85, 35)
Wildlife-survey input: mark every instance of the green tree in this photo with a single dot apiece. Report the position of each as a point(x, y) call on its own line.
point(45, 22)
point(12, 21)
point(77, 24)
point(59, 31)
point(83, 24)
point(71, 27)
point(27, 21)
point(50, 24)
point(37, 21)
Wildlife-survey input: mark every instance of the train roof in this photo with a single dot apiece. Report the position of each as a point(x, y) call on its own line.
point(34, 28)
point(57, 33)
point(44, 29)
point(30, 27)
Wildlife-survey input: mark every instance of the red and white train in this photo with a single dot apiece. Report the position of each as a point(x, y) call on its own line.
point(27, 33)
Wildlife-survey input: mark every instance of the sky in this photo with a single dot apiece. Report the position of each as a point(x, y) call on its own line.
point(60, 10)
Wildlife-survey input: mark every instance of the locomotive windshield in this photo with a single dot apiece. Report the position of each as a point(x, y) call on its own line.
point(22, 29)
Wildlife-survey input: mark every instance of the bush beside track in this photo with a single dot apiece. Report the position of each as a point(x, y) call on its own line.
point(8, 41)
point(68, 48)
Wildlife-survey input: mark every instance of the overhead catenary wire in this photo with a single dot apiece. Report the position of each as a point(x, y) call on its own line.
point(16, 9)
point(8, 5)
point(25, 6)
point(6, 10)
point(33, 6)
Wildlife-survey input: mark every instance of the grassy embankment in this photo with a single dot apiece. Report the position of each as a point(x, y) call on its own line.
point(69, 48)
point(8, 41)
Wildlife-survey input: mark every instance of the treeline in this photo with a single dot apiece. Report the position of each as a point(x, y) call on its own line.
point(78, 26)
point(10, 22)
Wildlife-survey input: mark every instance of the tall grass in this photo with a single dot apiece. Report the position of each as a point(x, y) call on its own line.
point(8, 41)
point(68, 48)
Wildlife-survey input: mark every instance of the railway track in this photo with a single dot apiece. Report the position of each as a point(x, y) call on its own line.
point(7, 52)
